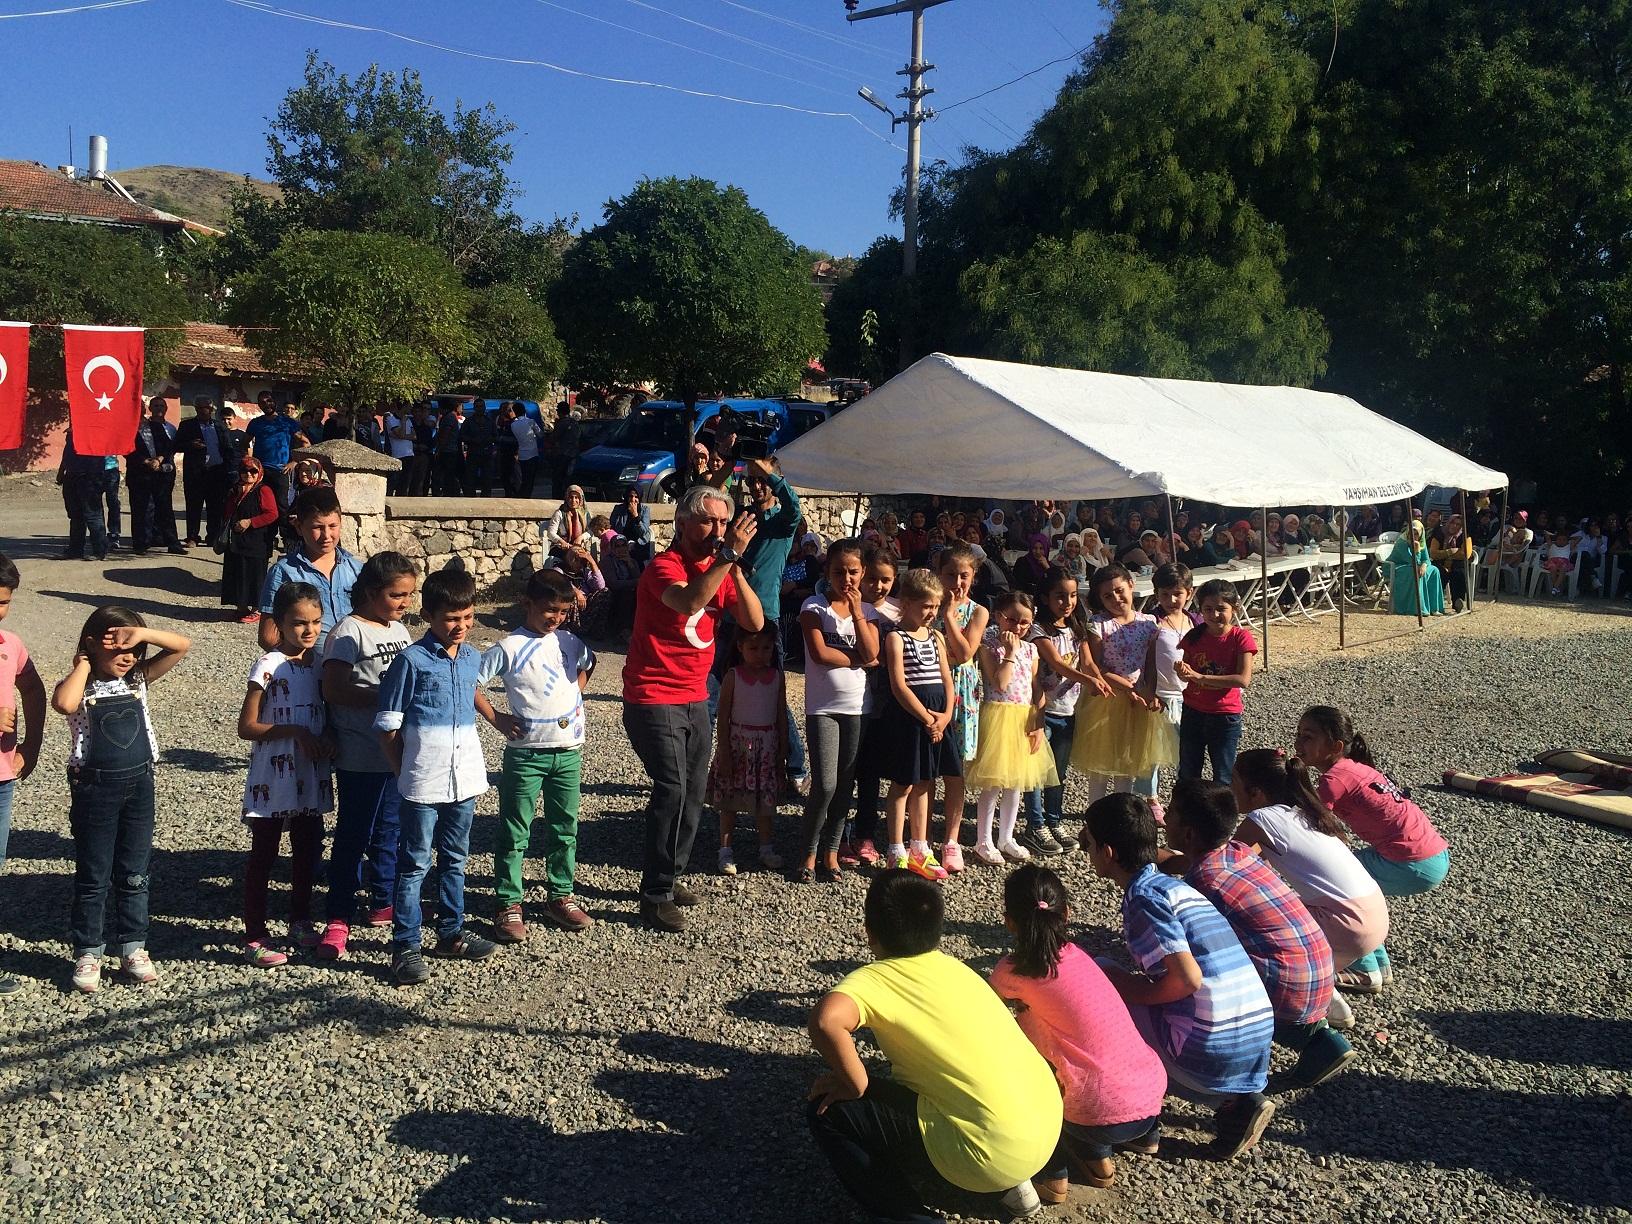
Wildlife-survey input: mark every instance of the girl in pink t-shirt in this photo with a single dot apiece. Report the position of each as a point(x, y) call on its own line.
point(1112, 1082)
point(1215, 665)
point(1404, 852)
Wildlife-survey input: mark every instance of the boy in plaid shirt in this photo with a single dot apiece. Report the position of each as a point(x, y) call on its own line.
point(1276, 929)
point(1196, 999)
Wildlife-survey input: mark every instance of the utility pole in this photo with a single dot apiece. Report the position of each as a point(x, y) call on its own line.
point(916, 115)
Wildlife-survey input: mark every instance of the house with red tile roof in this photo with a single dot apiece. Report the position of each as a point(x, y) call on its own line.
point(39, 193)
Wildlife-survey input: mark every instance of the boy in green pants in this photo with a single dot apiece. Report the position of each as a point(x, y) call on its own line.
point(544, 669)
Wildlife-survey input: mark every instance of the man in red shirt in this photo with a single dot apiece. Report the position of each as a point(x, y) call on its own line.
point(678, 605)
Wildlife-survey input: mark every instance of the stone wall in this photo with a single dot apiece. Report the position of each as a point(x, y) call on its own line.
point(832, 515)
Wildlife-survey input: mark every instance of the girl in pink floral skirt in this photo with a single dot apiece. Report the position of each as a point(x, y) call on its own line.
point(751, 745)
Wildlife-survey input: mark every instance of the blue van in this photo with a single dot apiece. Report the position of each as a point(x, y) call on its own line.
point(646, 448)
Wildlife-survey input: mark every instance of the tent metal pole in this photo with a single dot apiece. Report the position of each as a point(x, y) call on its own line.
point(1422, 578)
point(1172, 544)
point(855, 530)
point(1263, 576)
point(1501, 530)
point(1469, 574)
point(1342, 577)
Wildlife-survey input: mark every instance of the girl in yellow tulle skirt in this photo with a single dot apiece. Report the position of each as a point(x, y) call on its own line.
point(1121, 740)
point(1009, 760)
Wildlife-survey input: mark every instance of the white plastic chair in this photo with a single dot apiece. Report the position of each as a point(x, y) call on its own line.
point(1539, 575)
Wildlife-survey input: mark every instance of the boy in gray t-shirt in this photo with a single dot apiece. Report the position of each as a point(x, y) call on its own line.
point(359, 649)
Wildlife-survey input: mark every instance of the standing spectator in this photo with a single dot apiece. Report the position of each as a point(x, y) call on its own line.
point(205, 467)
point(506, 446)
point(86, 481)
point(365, 429)
point(336, 426)
point(477, 435)
point(528, 434)
point(151, 470)
point(252, 514)
point(419, 477)
point(678, 606)
point(450, 452)
point(399, 440)
point(564, 439)
point(272, 436)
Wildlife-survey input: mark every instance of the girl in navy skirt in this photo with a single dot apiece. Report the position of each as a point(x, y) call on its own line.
point(913, 746)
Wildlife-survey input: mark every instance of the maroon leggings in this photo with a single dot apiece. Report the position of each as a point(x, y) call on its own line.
point(265, 837)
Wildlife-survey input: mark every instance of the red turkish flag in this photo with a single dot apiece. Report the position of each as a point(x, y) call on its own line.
point(13, 382)
point(104, 366)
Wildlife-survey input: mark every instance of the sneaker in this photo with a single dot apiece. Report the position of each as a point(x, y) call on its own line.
point(250, 618)
point(263, 957)
point(926, 866)
point(408, 967)
point(987, 853)
point(1388, 974)
point(868, 854)
point(769, 859)
point(88, 974)
point(662, 916)
point(138, 967)
point(307, 935)
point(1014, 852)
point(1040, 841)
point(508, 928)
point(464, 946)
point(1062, 839)
point(901, 862)
point(10, 985)
point(1241, 1124)
point(952, 858)
point(1327, 1055)
point(847, 855)
point(567, 914)
point(1368, 982)
point(728, 864)
point(1022, 1201)
point(1339, 1015)
point(333, 944)
point(381, 917)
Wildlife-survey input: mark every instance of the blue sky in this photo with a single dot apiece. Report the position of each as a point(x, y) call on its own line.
point(191, 82)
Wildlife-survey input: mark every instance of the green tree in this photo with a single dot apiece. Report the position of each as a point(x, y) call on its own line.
point(859, 346)
point(380, 316)
point(687, 284)
point(516, 351)
point(53, 273)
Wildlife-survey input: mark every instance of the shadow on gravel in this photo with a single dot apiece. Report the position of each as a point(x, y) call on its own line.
point(1532, 1037)
point(1562, 1145)
point(37, 844)
point(147, 607)
point(202, 760)
point(783, 1008)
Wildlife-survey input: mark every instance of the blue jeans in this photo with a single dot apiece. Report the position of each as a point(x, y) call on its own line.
point(366, 823)
point(1047, 806)
point(1087, 1143)
point(110, 815)
point(1214, 736)
point(7, 790)
point(444, 827)
point(1398, 880)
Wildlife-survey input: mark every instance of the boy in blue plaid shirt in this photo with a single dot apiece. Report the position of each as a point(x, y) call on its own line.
point(1275, 928)
point(1197, 1000)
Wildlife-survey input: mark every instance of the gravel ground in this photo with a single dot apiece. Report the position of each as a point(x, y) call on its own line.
point(623, 1076)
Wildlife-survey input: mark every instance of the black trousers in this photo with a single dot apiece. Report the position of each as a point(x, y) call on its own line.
point(674, 743)
point(152, 515)
point(873, 1145)
point(204, 489)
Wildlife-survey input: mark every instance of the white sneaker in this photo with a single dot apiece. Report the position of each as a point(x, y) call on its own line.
point(1014, 851)
point(88, 974)
point(1022, 1201)
point(986, 853)
point(728, 864)
point(138, 967)
point(1339, 1014)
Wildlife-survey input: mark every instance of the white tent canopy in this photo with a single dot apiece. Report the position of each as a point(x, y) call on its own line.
point(967, 427)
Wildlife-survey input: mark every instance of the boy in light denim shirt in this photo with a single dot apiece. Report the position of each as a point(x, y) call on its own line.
point(429, 699)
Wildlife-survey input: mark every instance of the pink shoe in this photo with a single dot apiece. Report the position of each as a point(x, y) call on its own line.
point(868, 853)
point(926, 866)
point(952, 858)
point(379, 917)
point(333, 944)
point(1159, 812)
point(847, 855)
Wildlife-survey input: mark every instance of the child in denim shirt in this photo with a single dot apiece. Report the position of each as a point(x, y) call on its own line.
point(429, 699)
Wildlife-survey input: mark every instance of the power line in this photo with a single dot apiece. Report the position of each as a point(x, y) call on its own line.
point(1043, 13)
point(78, 8)
point(260, 6)
point(1016, 80)
point(743, 38)
point(848, 43)
point(616, 25)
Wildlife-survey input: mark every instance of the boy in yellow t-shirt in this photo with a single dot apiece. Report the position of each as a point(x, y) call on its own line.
point(968, 1091)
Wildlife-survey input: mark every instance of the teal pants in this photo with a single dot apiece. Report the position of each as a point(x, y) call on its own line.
point(1399, 880)
point(541, 783)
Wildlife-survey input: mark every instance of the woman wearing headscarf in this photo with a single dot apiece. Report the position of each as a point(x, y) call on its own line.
point(251, 515)
point(568, 523)
point(1412, 573)
point(1450, 548)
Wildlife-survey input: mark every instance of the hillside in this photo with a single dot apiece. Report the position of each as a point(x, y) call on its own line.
point(189, 191)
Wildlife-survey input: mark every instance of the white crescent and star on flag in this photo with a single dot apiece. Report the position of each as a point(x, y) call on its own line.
point(104, 402)
point(3, 371)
